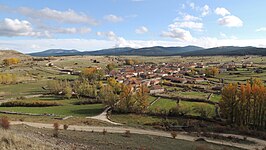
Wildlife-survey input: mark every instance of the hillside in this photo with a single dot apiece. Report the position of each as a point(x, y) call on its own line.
point(11, 53)
point(148, 51)
point(160, 51)
point(227, 51)
point(56, 52)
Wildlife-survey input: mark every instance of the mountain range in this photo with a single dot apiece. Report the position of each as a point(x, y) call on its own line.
point(159, 51)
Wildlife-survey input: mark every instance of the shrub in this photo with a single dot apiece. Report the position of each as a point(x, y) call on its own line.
point(127, 133)
point(65, 126)
point(178, 111)
point(104, 131)
point(89, 101)
point(5, 124)
point(56, 128)
point(35, 103)
point(173, 134)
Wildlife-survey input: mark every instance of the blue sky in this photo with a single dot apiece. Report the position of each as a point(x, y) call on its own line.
point(35, 25)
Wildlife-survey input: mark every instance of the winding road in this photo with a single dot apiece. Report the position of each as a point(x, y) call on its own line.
point(260, 144)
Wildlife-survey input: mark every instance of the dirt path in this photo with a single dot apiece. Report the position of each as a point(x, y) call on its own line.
point(260, 144)
point(103, 117)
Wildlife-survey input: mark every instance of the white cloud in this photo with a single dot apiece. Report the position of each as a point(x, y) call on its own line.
point(113, 18)
point(177, 33)
point(120, 41)
point(72, 30)
point(230, 21)
point(205, 10)
point(188, 17)
point(222, 11)
point(33, 45)
point(9, 27)
point(262, 29)
point(68, 16)
point(187, 24)
point(141, 30)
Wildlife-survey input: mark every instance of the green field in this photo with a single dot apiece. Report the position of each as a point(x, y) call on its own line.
point(167, 104)
point(68, 110)
point(23, 89)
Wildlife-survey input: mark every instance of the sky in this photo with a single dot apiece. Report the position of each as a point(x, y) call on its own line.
point(36, 25)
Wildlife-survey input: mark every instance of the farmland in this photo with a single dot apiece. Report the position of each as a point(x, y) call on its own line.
point(176, 105)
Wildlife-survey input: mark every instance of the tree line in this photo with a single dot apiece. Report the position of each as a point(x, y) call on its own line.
point(120, 97)
point(245, 105)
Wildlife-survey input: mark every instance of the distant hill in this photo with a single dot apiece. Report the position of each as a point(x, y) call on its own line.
point(12, 53)
point(148, 51)
point(160, 51)
point(228, 51)
point(111, 51)
point(56, 52)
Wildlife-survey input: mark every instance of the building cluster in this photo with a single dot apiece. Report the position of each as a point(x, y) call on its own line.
point(152, 75)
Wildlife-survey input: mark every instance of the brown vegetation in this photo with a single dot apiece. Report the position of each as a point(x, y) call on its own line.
point(4, 122)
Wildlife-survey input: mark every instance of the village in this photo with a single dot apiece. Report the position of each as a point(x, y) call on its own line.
point(154, 75)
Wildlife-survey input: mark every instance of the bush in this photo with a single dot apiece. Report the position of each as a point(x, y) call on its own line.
point(178, 111)
point(104, 131)
point(89, 101)
point(127, 133)
point(4, 122)
point(29, 104)
point(56, 128)
point(173, 134)
point(65, 126)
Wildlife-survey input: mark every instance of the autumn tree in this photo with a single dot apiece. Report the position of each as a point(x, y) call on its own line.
point(126, 103)
point(228, 103)
point(85, 89)
point(8, 78)
point(113, 83)
point(92, 74)
point(245, 106)
point(142, 99)
point(108, 96)
point(11, 61)
point(212, 71)
point(129, 62)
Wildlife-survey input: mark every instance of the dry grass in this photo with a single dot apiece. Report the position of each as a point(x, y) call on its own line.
point(11, 141)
